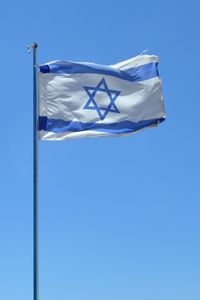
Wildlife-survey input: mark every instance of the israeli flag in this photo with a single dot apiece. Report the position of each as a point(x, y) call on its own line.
point(89, 100)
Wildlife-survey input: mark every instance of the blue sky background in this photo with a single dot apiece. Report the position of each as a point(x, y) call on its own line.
point(119, 217)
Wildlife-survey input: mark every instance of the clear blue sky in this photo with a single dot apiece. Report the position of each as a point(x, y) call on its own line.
point(119, 217)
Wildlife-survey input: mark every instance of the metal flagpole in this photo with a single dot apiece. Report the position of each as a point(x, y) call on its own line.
point(35, 179)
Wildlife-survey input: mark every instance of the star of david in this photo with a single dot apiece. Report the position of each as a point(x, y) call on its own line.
point(101, 93)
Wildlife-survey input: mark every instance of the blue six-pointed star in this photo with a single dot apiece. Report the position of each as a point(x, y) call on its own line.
point(102, 109)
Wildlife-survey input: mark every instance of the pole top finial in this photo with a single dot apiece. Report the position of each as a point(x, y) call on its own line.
point(32, 46)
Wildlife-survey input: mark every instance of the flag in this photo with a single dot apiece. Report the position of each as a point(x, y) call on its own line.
point(78, 99)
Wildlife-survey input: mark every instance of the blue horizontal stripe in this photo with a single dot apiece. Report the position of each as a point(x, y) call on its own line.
point(58, 126)
point(139, 73)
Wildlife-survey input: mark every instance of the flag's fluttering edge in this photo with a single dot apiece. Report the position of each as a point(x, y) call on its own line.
point(90, 100)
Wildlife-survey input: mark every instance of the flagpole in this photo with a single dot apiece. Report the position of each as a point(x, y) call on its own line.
point(35, 180)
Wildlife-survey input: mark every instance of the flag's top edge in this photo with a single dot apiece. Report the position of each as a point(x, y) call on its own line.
point(135, 69)
point(123, 65)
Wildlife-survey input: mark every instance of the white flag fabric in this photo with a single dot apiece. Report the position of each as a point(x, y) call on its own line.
point(89, 100)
